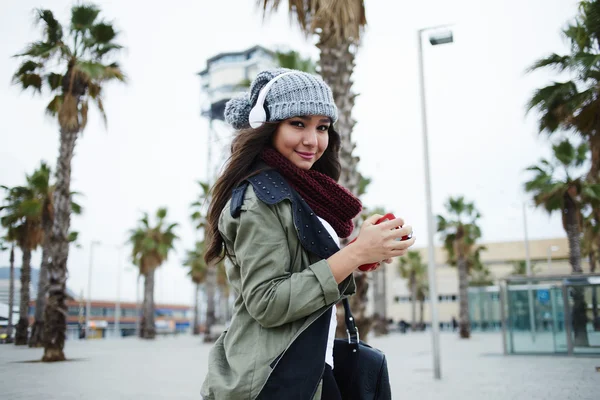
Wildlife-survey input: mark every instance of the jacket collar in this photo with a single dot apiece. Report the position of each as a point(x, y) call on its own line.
point(271, 188)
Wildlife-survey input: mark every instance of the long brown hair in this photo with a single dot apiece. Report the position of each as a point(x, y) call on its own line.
point(245, 152)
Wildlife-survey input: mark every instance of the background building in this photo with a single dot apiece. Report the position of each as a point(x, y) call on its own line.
point(227, 75)
point(170, 318)
point(548, 257)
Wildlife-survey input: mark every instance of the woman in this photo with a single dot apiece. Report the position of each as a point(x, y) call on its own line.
point(277, 214)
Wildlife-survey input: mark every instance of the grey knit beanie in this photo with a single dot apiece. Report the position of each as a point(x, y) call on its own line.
point(296, 94)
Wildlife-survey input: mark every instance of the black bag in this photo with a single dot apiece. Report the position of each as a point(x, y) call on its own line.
point(360, 370)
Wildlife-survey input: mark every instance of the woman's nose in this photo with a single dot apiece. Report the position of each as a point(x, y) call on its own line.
point(310, 139)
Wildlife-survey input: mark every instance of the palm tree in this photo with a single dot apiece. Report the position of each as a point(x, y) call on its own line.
point(151, 247)
point(479, 273)
point(291, 59)
point(460, 233)
point(412, 269)
point(198, 217)
point(520, 268)
point(74, 67)
point(572, 105)
point(39, 183)
point(589, 247)
point(198, 269)
point(422, 293)
point(556, 188)
point(338, 25)
point(9, 239)
point(22, 212)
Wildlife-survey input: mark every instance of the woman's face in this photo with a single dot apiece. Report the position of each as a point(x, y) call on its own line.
point(302, 140)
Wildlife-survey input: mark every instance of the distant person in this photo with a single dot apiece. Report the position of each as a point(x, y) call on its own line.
point(454, 324)
point(403, 326)
point(277, 214)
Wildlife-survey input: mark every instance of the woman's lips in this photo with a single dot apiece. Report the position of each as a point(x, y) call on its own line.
point(306, 156)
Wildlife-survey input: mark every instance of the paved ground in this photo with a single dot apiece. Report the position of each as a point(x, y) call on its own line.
point(173, 368)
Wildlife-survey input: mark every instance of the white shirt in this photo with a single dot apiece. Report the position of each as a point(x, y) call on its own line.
point(333, 323)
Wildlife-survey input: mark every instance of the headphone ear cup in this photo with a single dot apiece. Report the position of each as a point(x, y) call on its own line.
point(257, 116)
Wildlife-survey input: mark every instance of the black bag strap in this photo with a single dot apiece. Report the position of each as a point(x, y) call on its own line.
point(351, 329)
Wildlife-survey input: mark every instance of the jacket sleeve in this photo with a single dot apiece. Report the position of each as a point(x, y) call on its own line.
point(273, 295)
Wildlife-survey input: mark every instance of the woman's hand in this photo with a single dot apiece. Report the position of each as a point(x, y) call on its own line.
point(382, 242)
point(375, 243)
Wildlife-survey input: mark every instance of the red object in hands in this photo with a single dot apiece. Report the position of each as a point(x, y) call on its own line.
point(373, 266)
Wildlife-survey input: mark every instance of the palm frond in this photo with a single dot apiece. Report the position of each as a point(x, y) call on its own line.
point(103, 33)
point(560, 63)
point(83, 17)
point(341, 20)
point(27, 81)
point(54, 80)
point(52, 28)
point(55, 104)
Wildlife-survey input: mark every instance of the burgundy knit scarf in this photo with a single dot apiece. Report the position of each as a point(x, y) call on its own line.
point(326, 198)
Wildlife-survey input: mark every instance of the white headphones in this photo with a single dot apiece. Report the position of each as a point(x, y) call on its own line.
point(258, 115)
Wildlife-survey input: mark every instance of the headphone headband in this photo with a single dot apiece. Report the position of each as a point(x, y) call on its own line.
point(258, 115)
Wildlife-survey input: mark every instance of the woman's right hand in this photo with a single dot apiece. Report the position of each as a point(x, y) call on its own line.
point(376, 243)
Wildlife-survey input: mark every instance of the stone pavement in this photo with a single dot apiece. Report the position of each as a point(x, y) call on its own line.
point(174, 368)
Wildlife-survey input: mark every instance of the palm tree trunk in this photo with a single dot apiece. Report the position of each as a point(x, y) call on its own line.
point(11, 292)
point(211, 283)
point(579, 310)
point(195, 330)
point(596, 320)
point(594, 173)
point(464, 325)
point(337, 65)
point(37, 332)
point(148, 330)
point(55, 318)
point(422, 313)
point(23, 324)
point(413, 300)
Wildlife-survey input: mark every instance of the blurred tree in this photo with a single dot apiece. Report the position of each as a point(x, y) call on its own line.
point(414, 271)
point(151, 247)
point(291, 59)
point(198, 217)
point(573, 105)
point(589, 248)
point(460, 233)
point(555, 187)
point(520, 268)
point(197, 272)
point(10, 238)
point(338, 26)
point(73, 66)
point(22, 215)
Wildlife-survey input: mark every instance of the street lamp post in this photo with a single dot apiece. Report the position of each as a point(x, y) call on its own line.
point(88, 304)
point(433, 298)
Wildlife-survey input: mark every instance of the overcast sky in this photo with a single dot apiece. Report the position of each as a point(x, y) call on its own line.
point(154, 148)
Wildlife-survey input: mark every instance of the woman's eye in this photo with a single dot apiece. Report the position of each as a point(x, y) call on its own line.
point(323, 128)
point(297, 123)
